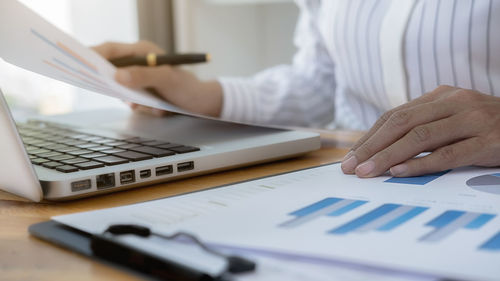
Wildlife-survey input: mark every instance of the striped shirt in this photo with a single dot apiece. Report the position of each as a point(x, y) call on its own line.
point(359, 58)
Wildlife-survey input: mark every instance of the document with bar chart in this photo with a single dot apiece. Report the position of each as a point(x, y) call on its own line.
point(30, 42)
point(445, 224)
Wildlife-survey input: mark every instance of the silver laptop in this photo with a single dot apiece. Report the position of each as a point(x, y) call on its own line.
point(83, 154)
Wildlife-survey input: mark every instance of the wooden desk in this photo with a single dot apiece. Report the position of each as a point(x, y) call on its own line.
point(23, 257)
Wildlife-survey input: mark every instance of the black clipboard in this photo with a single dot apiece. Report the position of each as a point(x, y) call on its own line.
point(111, 251)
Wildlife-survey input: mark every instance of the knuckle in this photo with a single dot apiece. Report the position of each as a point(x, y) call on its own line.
point(364, 151)
point(464, 96)
point(385, 117)
point(383, 157)
point(447, 154)
point(482, 114)
point(400, 118)
point(420, 134)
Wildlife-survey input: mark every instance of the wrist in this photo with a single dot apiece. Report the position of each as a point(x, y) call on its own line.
point(211, 98)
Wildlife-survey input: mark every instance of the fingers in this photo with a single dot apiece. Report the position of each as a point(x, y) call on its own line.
point(112, 50)
point(396, 126)
point(386, 116)
point(137, 77)
point(448, 157)
point(149, 110)
point(421, 138)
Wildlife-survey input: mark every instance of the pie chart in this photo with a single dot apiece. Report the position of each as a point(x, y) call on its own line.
point(486, 183)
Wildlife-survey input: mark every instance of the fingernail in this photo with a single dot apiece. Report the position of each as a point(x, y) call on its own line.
point(399, 170)
point(123, 76)
point(349, 164)
point(365, 168)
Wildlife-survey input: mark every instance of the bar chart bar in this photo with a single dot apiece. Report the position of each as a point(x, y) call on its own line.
point(420, 180)
point(453, 220)
point(493, 244)
point(325, 207)
point(384, 218)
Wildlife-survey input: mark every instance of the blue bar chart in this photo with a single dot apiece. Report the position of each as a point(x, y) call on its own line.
point(493, 244)
point(384, 218)
point(326, 207)
point(420, 180)
point(451, 221)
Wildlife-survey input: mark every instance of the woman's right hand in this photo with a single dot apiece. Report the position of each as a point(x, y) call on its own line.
point(177, 86)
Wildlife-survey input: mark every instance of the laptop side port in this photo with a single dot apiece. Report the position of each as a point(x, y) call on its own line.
point(144, 174)
point(127, 177)
point(186, 166)
point(164, 170)
point(105, 181)
point(80, 185)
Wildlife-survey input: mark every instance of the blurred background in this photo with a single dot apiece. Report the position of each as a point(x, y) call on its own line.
point(243, 37)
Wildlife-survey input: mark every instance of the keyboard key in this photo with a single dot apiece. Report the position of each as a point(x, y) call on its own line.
point(133, 156)
point(75, 142)
point(100, 148)
point(49, 154)
point(74, 161)
point(87, 145)
point(111, 160)
point(116, 143)
point(128, 146)
point(56, 146)
point(61, 157)
point(113, 151)
point(170, 145)
point(39, 151)
point(39, 161)
point(138, 140)
point(90, 138)
point(68, 149)
point(155, 143)
point(103, 141)
point(67, 169)
point(93, 155)
point(80, 152)
point(89, 165)
point(184, 149)
point(31, 148)
point(65, 140)
point(52, 165)
point(157, 152)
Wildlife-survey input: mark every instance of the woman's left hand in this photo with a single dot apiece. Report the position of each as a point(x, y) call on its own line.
point(459, 127)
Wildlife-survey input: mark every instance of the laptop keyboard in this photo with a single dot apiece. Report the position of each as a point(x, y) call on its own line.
point(65, 150)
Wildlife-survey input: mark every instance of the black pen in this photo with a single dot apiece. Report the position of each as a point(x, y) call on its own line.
point(153, 59)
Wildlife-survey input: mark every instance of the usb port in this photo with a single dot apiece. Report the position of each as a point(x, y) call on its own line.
point(145, 174)
point(186, 166)
point(80, 185)
point(127, 177)
point(164, 170)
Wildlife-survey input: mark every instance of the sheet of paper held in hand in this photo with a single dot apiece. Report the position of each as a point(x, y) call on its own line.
point(445, 224)
point(30, 42)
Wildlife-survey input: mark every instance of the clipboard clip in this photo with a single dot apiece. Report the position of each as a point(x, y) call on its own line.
point(110, 249)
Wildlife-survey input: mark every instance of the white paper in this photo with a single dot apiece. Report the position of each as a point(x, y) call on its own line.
point(30, 42)
point(254, 218)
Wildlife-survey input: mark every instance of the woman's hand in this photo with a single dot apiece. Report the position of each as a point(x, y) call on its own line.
point(459, 127)
point(175, 85)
